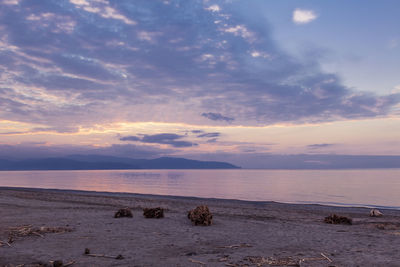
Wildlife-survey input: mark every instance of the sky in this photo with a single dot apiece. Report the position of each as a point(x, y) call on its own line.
point(199, 79)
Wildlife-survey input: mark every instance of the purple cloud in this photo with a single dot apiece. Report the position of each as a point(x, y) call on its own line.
point(163, 138)
point(209, 135)
point(217, 117)
point(151, 60)
point(318, 146)
point(130, 138)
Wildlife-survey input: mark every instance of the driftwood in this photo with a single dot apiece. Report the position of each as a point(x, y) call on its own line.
point(58, 263)
point(87, 253)
point(223, 259)
point(260, 261)
point(125, 212)
point(67, 264)
point(196, 261)
point(336, 219)
point(243, 245)
point(2, 243)
point(33, 264)
point(153, 212)
point(29, 230)
point(285, 261)
point(388, 226)
point(326, 257)
point(200, 216)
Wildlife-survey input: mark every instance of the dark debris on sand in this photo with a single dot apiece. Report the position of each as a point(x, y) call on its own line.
point(387, 226)
point(153, 212)
point(336, 219)
point(125, 212)
point(28, 230)
point(200, 216)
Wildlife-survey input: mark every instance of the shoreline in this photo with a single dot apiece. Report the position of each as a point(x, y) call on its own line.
point(243, 232)
point(116, 194)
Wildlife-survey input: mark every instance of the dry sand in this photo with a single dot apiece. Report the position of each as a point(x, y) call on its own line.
point(243, 233)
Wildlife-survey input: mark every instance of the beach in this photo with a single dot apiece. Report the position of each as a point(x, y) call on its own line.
point(243, 233)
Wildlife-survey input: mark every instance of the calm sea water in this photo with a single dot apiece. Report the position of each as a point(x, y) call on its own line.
point(333, 187)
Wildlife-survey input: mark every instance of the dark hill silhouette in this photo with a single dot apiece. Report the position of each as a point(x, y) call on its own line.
point(95, 162)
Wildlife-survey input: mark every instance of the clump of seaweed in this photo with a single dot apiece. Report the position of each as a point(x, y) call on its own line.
point(125, 212)
point(336, 219)
point(200, 216)
point(153, 212)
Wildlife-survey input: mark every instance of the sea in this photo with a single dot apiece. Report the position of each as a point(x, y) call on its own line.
point(357, 187)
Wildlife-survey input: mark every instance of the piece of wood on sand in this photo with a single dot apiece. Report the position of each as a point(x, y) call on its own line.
point(243, 245)
point(87, 253)
point(196, 261)
point(4, 243)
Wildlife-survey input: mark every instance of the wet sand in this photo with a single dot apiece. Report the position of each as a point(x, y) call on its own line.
point(243, 233)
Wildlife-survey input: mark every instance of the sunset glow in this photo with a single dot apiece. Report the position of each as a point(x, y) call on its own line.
point(146, 79)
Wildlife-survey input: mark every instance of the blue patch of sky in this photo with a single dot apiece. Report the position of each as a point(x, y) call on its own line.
point(359, 40)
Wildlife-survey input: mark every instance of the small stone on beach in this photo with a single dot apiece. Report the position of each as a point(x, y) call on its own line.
point(375, 213)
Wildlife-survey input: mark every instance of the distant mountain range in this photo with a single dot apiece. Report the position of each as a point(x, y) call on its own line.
point(283, 162)
point(96, 162)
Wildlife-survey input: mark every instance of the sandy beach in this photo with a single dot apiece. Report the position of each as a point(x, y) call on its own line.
point(242, 234)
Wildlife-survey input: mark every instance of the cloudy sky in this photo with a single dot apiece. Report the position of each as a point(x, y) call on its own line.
point(198, 78)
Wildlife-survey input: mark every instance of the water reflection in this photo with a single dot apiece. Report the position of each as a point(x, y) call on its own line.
point(138, 174)
point(174, 175)
point(344, 187)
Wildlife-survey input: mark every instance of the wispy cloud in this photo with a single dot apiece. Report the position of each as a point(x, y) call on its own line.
point(130, 138)
point(214, 8)
point(103, 9)
point(303, 16)
point(209, 135)
point(10, 2)
point(163, 138)
point(394, 43)
point(318, 146)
